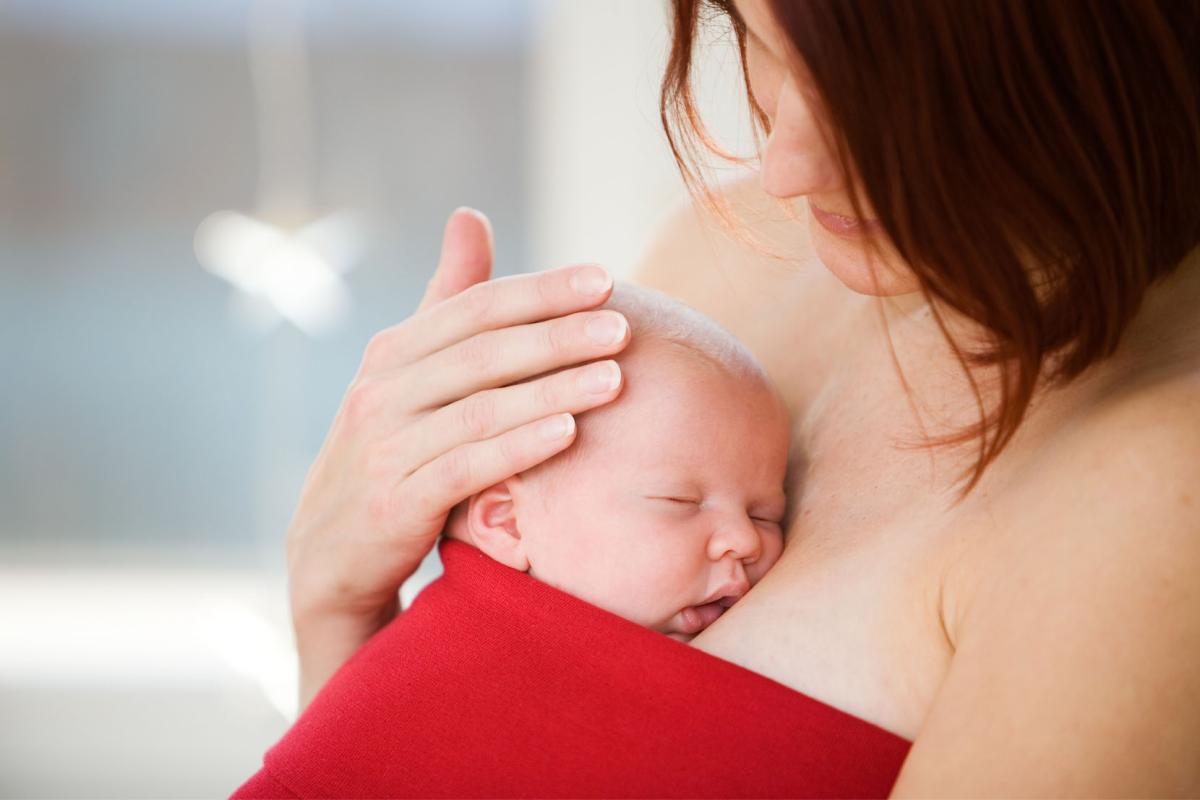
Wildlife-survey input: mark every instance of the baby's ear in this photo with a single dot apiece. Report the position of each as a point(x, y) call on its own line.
point(491, 525)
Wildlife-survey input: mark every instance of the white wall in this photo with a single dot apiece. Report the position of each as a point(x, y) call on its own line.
point(602, 174)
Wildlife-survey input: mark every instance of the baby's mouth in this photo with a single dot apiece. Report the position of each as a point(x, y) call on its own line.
point(697, 618)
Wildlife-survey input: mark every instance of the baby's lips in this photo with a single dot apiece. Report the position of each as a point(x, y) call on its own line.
point(729, 594)
point(697, 618)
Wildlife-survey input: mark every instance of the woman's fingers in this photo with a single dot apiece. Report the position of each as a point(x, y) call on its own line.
point(466, 257)
point(500, 357)
point(429, 492)
point(513, 300)
point(490, 413)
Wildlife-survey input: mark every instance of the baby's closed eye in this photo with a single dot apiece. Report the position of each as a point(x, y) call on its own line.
point(763, 518)
point(675, 504)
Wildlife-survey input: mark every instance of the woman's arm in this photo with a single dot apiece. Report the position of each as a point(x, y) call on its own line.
point(1077, 668)
point(431, 419)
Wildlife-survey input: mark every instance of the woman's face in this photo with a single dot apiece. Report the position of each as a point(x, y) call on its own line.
point(797, 162)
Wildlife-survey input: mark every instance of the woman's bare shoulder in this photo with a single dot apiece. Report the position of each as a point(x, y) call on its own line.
point(1136, 455)
point(754, 272)
point(1079, 637)
point(752, 247)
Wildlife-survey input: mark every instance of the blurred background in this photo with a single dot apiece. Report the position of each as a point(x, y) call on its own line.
point(207, 207)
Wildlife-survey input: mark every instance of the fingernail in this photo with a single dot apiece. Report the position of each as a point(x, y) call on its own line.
point(608, 328)
point(602, 377)
point(557, 427)
point(591, 281)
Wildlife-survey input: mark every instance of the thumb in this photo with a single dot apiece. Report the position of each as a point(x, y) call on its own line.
point(466, 256)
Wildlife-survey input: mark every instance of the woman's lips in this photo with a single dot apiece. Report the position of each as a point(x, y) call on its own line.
point(697, 618)
point(841, 225)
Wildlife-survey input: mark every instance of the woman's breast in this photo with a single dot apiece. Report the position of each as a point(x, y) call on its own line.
point(858, 627)
point(852, 614)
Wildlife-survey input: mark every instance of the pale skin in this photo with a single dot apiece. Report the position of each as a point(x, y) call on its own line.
point(674, 500)
point(1040, 638)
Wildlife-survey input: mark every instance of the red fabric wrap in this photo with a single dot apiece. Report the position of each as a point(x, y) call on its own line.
point(494, 684)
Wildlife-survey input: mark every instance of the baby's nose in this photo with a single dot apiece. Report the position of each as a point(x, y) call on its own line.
point(737, 535)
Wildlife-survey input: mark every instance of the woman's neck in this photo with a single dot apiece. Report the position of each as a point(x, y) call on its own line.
point(1164, 337)
point(1161, 342)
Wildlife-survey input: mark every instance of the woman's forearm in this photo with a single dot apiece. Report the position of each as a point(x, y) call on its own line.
point(324, 643)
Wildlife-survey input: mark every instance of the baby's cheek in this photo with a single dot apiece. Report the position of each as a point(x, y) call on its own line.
point(772, 548)
point(635, 588)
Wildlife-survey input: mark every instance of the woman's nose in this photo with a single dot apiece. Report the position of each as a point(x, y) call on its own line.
point(737, 535)
point(796, 159)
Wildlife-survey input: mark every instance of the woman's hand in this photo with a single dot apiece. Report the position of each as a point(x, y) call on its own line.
point(430, 420)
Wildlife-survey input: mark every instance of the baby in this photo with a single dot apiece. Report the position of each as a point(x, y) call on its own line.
point(667, 508)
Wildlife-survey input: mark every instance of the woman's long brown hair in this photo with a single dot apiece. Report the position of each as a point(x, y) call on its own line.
point(1035, 162)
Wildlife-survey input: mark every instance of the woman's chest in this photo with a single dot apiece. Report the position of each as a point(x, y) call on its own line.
point(853, 612)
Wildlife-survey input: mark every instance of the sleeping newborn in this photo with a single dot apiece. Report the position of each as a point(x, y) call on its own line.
point(667, 508)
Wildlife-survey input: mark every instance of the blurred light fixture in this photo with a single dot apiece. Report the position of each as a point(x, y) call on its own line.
point(292, 273)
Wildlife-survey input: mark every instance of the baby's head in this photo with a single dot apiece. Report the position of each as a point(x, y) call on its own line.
point(667, 507)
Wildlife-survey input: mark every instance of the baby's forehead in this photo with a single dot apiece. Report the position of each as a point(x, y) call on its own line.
point(666, 382)
point(679, 365)
point(681, 421)
point(657, 373)
point(670, 365)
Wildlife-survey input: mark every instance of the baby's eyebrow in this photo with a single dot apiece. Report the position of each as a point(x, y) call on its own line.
point(665, 477)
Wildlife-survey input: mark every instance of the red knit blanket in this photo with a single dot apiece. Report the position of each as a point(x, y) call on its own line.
point(494, 684)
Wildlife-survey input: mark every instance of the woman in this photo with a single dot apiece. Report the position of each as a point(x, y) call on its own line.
point(986, 327)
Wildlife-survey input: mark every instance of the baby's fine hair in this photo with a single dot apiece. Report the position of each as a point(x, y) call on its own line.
point(655, 317)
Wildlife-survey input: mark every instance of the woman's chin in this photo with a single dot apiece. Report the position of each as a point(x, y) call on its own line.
point(851, 262)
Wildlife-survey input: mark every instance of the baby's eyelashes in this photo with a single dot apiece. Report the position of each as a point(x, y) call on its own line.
point(677, 506)
point(773, 520)
point(693, 501)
